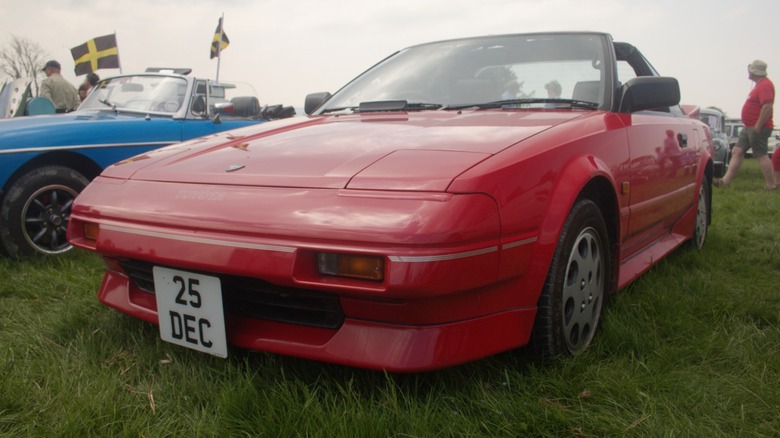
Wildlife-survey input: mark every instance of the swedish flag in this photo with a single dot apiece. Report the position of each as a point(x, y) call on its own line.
point(97, 53)
point(219, 35)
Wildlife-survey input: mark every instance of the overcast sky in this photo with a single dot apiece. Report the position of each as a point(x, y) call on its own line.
point(289, 48)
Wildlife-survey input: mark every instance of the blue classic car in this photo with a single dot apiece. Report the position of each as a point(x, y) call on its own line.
point(45, 161)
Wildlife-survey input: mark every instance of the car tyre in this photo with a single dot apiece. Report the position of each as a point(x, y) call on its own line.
point(36, 210)
point(577, 285)
point(702, 217)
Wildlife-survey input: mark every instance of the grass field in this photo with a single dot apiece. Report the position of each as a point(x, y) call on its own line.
point(690, 349)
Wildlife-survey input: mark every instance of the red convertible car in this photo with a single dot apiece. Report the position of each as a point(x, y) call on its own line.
point(458, 199)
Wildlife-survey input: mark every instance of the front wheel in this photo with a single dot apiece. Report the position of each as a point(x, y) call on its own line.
point(577, 285)
point(36, 210)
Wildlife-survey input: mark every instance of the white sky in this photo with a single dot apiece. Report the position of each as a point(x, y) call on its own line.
point(289, 48)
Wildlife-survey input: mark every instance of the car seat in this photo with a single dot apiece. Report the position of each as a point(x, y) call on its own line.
point(245, 106)
point(39, 105)
point(587, 91)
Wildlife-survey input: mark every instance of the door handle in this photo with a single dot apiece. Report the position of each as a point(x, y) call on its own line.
point(682, 139)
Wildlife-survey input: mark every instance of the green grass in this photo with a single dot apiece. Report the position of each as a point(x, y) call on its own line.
point(690, 349)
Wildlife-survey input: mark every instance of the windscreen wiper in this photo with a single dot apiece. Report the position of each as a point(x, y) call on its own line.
point(396, 105)
point(342, 108)
point(519, 103)
point(107, 103)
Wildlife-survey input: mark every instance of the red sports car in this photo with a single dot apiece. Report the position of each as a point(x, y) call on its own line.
point(458, 199)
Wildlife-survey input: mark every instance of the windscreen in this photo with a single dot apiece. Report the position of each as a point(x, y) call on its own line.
point(160, 94)
point(487, 69)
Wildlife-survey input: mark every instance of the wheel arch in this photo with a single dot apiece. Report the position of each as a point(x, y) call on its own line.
point(589, 179)
point(78, 162)
point(601, 191)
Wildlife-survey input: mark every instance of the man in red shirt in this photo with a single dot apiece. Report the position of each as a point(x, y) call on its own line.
point(757, 117)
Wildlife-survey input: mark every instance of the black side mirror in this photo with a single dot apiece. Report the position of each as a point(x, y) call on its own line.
point(314, 101)
point(649, 92)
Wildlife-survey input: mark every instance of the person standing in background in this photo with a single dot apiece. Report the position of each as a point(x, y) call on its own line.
point(553, 89)
point(83, 90)
point(757, 117)
point(86, 86)
point(61, 92)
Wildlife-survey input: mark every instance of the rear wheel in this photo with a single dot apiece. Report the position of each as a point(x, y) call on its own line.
point(569, 308)
point(36, 210)
point(702, 217)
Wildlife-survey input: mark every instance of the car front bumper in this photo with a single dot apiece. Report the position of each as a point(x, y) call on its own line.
point(453, 291)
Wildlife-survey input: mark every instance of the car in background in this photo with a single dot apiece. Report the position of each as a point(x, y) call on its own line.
point(733, 129)
point(720, 140)
point(735, 126)
point(14, 96)
point(48, 160)
point(419, 217)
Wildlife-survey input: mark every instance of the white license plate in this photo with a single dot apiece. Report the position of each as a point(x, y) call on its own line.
point(189, 308)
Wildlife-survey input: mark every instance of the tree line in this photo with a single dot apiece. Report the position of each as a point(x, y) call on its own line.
point(22, 58)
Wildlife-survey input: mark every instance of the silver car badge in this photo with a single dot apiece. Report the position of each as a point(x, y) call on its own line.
point(234, 167)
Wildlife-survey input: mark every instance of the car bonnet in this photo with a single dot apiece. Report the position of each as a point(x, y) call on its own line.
point(72, 129)
point(387, 151)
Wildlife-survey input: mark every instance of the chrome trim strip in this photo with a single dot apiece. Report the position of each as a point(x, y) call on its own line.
point(442, 257)
point(87, 146)
point(290, 249)
point(204, 240)
point(460, 255)
point(519, 243)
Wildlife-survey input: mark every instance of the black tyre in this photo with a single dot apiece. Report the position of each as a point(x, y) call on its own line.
point(702, 217)
point(36, 210)
point(577, 285)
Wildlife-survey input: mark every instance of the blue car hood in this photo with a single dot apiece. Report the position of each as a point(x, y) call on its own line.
point(84, 128)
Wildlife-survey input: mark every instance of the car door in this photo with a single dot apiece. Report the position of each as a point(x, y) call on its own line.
point(664, 149)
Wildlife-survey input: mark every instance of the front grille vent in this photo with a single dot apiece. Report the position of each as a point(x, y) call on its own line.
point(255, 298)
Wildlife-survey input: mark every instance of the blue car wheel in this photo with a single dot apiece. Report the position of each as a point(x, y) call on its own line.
point(36, 210)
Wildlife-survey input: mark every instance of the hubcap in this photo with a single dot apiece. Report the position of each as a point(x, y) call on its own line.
point(582, 291)
point(701, 220)
point(45, 219)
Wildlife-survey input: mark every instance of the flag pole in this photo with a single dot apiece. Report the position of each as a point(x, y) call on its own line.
point(219, 43)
